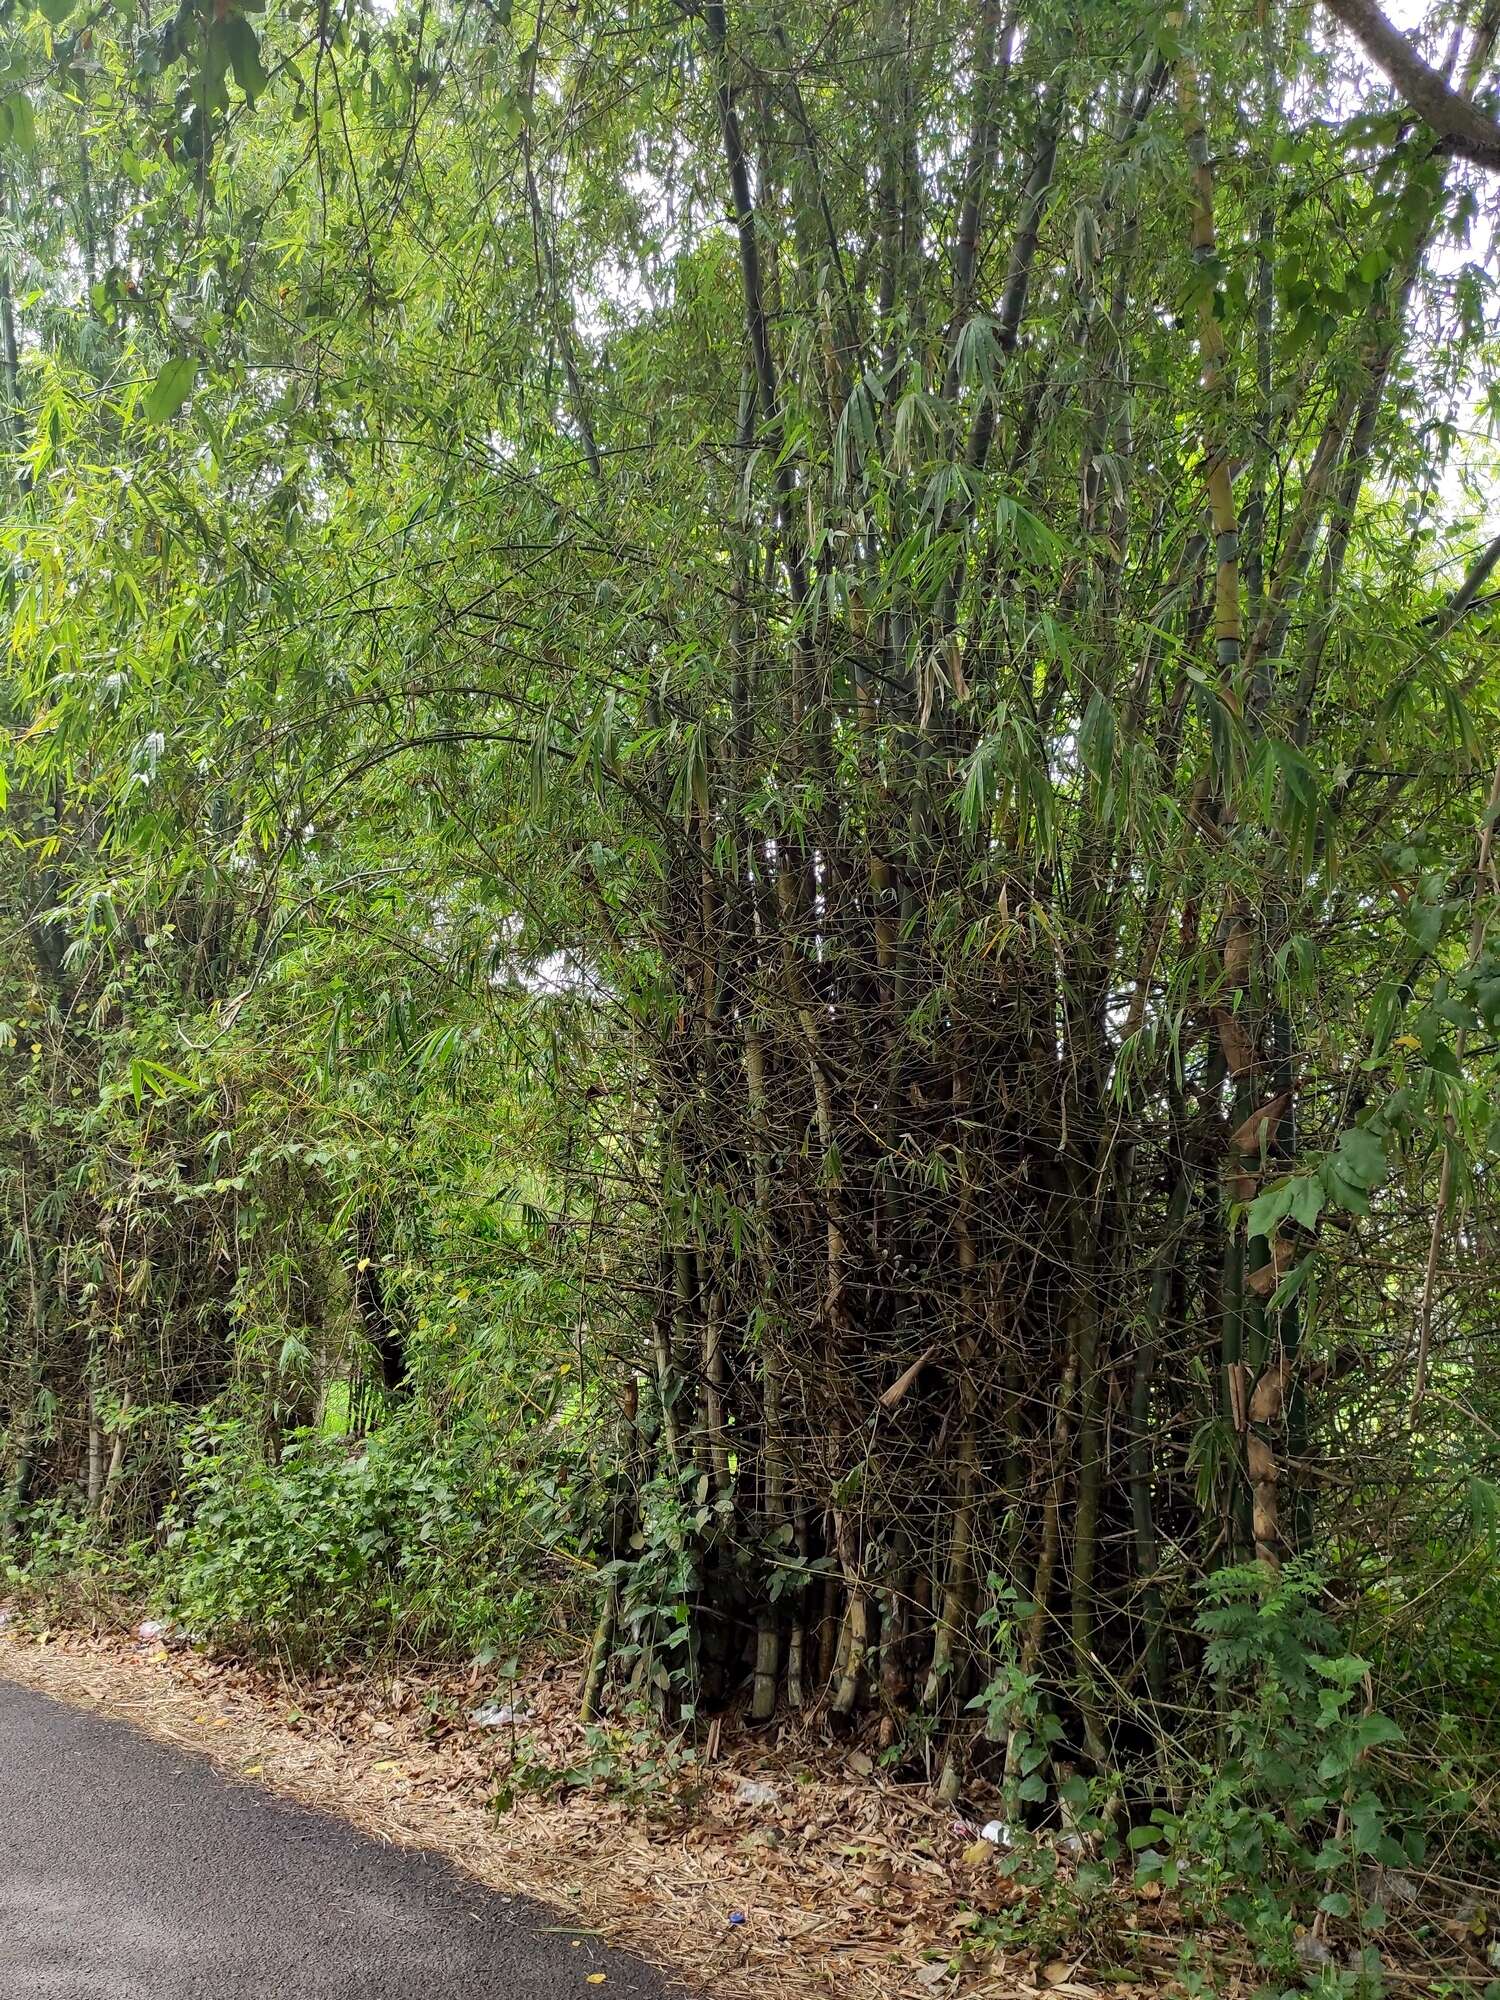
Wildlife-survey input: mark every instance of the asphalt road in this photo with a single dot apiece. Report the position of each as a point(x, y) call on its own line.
point(128, 1870)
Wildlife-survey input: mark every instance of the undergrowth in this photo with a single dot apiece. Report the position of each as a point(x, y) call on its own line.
point(353, 1547)
point(1296, 1807)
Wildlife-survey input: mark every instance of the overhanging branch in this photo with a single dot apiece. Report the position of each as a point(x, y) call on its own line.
point(1459, 124)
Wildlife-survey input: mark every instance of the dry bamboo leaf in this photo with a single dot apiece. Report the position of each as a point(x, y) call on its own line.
point(904, 1380)
point(1260, 1127)
point(1238, 1379)
point(956, 670)
point(1235, 1040)
point(1264, 1281)
point(1237, 953)
point(1261, 1461)
point(1270, 1394)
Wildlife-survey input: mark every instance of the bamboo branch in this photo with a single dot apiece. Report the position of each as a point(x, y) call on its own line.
point(1460, 125)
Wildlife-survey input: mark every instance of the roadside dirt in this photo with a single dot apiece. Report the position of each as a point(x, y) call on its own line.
point(779, 1865)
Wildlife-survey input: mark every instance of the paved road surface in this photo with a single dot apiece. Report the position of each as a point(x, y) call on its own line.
point(131, 1872)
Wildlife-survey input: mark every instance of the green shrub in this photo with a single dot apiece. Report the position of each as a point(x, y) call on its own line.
point(63, 1565)
point(349, 1547)
point(1293, 1814)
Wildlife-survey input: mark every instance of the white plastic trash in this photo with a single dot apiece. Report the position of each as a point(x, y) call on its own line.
point(497, 1715)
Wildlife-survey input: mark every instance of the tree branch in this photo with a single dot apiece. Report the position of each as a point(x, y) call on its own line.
point(1459, 124)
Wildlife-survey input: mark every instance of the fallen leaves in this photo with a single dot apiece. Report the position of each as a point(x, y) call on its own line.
point(855, 1883)
point(1059, 1977)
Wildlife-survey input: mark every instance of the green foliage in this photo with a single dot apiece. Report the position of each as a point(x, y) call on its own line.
point(69, 1569)
point(170, 390)
point(1296, 1816)
point(631, 1761)
point(348, 1549)
point(758, 891)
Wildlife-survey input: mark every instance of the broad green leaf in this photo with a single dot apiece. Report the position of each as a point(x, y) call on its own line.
point(170, 390)
point(243, 45)
point(18, 123)
point(1361, 1156)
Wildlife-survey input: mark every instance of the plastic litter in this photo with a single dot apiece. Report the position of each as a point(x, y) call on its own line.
point(150, 1628)
point(497, 1715)
point(736, 1916)
point(997, 1833)
point(751, 1792)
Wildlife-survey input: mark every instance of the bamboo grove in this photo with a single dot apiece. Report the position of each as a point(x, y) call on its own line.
point(805, 694)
